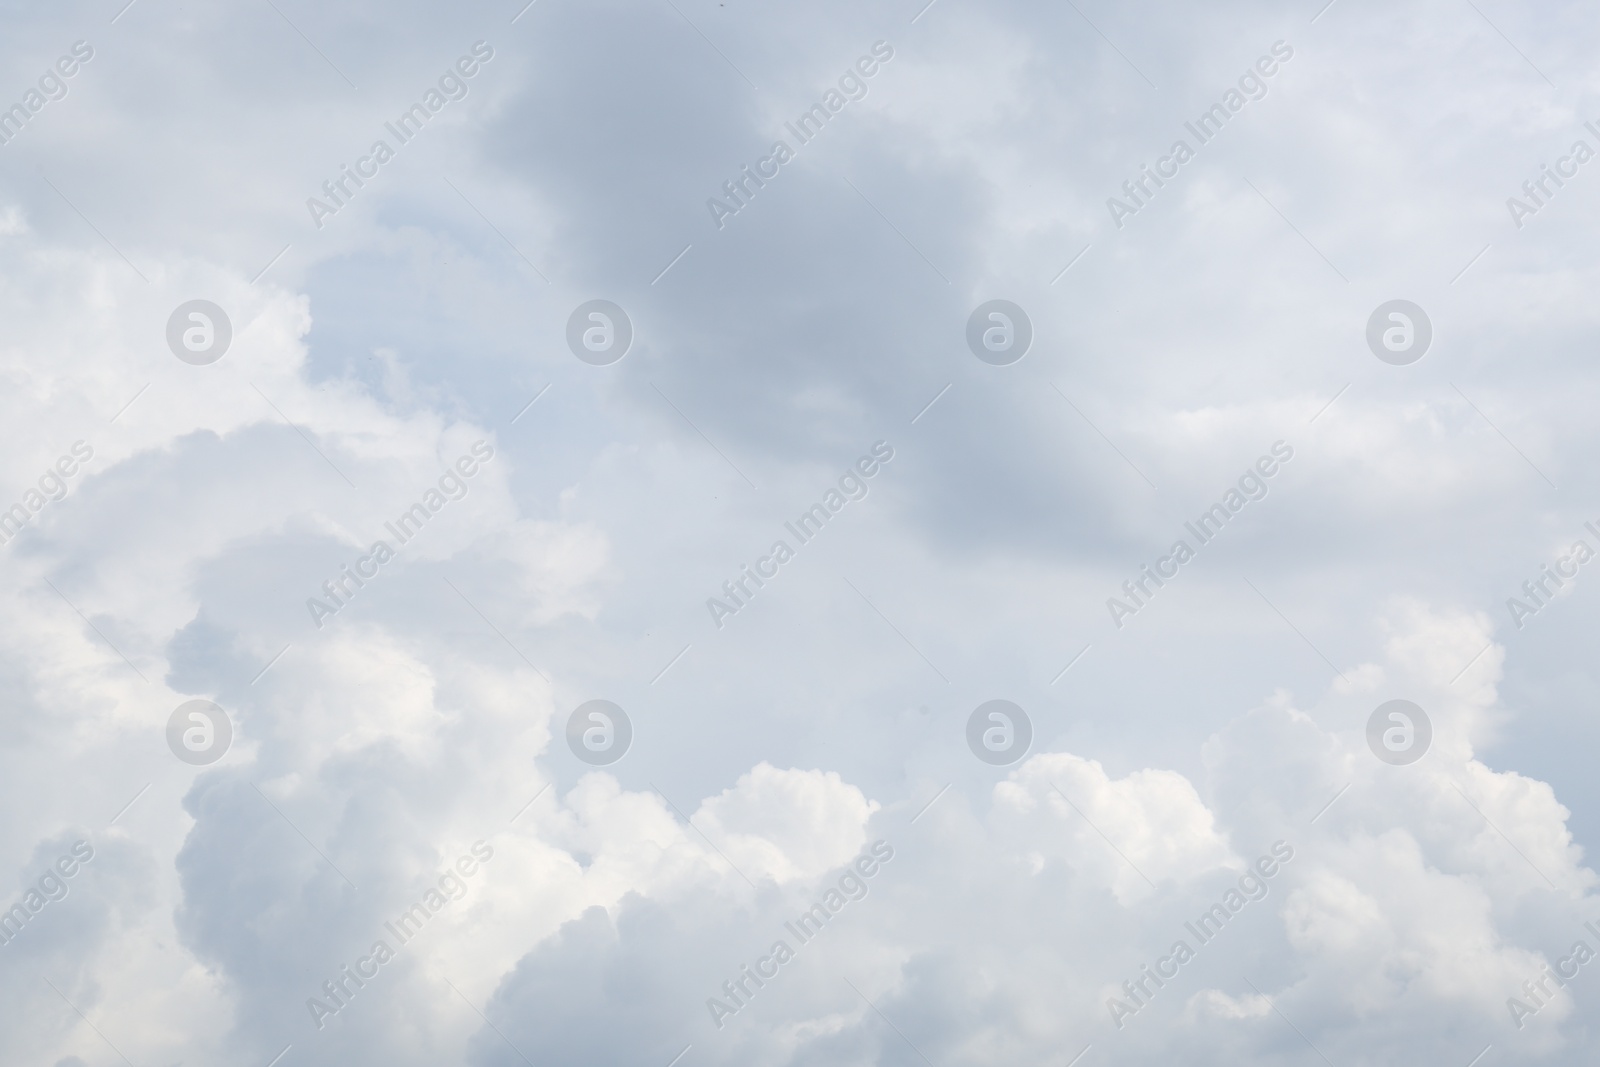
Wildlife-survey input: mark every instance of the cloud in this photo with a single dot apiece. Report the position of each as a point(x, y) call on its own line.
point(376, 744)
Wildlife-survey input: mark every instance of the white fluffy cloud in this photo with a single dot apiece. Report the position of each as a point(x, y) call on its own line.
point(807, 759)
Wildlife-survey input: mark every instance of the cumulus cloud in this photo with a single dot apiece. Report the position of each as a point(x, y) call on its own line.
point(404, 768)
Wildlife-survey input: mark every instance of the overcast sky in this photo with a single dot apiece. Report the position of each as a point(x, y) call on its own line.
point(385, 384)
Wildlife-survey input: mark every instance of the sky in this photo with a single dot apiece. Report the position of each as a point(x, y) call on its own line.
point(681, 533)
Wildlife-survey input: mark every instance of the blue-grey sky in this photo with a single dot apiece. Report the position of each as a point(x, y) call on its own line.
point(394, 830)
